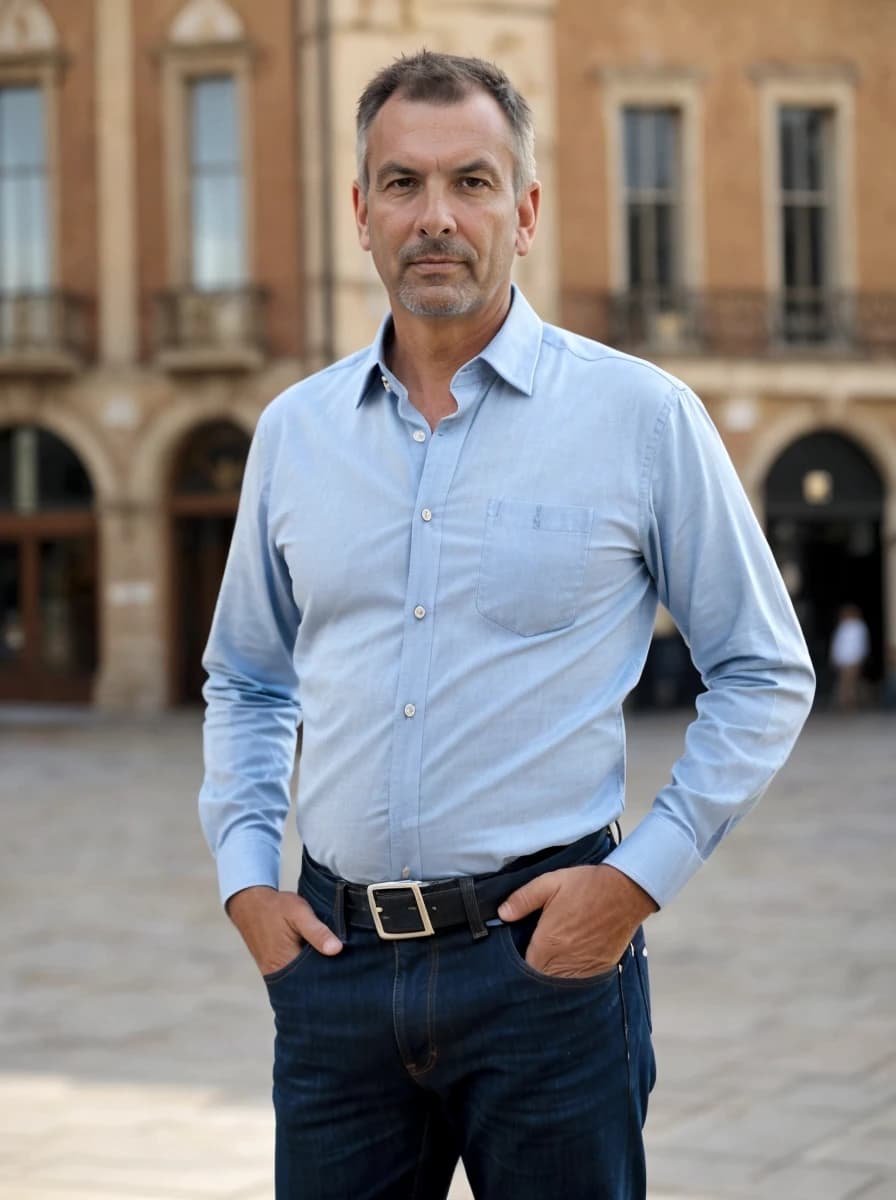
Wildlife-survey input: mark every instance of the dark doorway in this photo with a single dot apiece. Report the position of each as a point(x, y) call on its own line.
point(205, 485)
point(48, 570)
point(824, 507)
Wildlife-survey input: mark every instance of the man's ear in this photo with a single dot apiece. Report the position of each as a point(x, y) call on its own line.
point(527, 217)
point(359, 203)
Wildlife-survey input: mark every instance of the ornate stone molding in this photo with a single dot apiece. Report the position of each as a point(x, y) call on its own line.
point(206, 22)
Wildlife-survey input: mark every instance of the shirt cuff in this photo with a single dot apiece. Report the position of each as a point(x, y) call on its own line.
point(658, 856)
point(246, 862)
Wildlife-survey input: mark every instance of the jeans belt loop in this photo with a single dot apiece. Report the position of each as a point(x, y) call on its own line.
point(471, 907)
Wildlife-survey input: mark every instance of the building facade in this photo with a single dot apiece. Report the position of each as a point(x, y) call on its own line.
point(176, 246)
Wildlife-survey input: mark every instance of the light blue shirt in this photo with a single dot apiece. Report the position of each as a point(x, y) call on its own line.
point(456, 618)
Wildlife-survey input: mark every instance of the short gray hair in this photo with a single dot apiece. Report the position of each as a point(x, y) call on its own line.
point(448, 79)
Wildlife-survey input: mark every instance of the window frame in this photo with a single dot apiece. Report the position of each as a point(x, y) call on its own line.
point(818, 90)
point(636, 88)
point(43, 72)
point(181, 67)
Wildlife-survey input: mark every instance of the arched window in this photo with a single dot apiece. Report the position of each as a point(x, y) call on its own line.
point(48, 577)
point(205, 483)
point(824, 501)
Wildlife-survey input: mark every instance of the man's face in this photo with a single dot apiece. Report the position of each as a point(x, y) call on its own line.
point(440, 216)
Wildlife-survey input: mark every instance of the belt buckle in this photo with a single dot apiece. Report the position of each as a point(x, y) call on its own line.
point(426, 929)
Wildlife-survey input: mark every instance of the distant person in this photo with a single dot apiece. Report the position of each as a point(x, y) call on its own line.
point(446, 566)
point(849, 650)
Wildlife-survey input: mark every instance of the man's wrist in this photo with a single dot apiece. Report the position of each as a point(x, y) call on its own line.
point(246, 898)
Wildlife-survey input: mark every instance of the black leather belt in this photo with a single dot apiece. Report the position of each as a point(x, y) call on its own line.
point(407, 909)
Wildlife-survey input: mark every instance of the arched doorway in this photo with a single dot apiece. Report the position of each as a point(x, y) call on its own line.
point(48, 570)
point(203, 496)
point(824, 501)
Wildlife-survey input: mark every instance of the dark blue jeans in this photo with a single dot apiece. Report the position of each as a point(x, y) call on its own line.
point(393, 1059)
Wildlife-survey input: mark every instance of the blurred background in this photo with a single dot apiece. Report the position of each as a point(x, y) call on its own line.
point(176, 246)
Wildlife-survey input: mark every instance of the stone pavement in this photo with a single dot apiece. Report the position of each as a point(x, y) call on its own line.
point(135, 1036)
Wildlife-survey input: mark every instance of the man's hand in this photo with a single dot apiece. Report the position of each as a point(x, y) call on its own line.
point(589, 916)
point(275, 924)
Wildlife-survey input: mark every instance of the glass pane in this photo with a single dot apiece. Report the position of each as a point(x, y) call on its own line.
point(665, 246)
point(68, 605)
point(787, 142)
point(816, 250)
point(635, 261)
point(665, 124)
point(816, 120)
point(214, 126)
point(34, 234)
point(218, 248)
point(12, 630)
point(21, 128)
point(631, 134)
point(791, 216)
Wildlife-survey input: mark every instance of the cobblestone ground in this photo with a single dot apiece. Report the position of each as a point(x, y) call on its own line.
point(135, 1036)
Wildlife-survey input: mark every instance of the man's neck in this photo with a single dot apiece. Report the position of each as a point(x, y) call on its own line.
point(425, 352)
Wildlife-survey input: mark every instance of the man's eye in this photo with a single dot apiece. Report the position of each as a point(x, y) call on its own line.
point(474, 183)
point(402, 184)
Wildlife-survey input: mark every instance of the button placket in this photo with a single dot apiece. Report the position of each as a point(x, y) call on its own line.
point(434, 482)
point(404, 799)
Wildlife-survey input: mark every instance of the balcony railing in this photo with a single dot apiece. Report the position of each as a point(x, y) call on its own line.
point(211, 330)
point(43, 332)
point(739, 323)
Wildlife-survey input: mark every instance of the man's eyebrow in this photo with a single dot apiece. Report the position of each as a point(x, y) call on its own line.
point(479, 166)
point(395, 168)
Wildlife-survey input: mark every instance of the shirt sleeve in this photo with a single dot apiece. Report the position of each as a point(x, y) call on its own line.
point(252, 696)
point(715, 573)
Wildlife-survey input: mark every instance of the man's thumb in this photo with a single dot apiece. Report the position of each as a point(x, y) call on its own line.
point(527, 899)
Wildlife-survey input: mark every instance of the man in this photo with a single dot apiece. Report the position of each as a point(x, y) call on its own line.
point(446, 566)
point(849, 650)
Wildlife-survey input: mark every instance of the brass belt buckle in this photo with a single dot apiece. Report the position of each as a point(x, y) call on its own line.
point(426, 929)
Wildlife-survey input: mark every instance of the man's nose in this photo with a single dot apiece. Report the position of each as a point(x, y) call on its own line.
point(436, 218)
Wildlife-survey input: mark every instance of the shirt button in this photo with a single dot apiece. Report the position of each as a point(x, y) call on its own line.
point(426, 515)
point(409, 710)
point(418, 435)
point(405, 872)
point(419, 612)
point(386, 384)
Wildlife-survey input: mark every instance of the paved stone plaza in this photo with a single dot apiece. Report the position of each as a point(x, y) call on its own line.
point(135, 1036)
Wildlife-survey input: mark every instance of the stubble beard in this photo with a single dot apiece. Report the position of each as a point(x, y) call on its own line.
point(439, 300)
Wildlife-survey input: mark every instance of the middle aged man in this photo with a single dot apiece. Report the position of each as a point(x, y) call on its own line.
point(446, 566)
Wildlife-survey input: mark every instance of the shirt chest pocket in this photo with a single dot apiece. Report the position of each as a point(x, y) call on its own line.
point(532, 567)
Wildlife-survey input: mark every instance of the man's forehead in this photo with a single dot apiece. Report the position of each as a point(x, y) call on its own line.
point(474, 126)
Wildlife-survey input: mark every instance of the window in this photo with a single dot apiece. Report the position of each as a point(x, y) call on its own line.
point(807, 254)
point(217, 223)
point(652, 201)
point(24, 215)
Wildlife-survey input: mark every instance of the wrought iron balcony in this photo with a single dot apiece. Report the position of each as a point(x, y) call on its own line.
point(739, 323)
point(45, 333)
point(211, 330)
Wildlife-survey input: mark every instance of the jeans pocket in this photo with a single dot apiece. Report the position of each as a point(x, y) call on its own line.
point(515, 938)
point(273, 977)
point(532, 566)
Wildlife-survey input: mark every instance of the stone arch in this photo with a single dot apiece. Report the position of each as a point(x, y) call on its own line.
point(873, 438)
point(161, 441)
point(26, 26)
point(201, 22)
point(79, 437)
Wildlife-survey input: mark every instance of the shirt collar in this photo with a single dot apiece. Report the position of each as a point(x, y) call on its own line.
point(512, 353)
